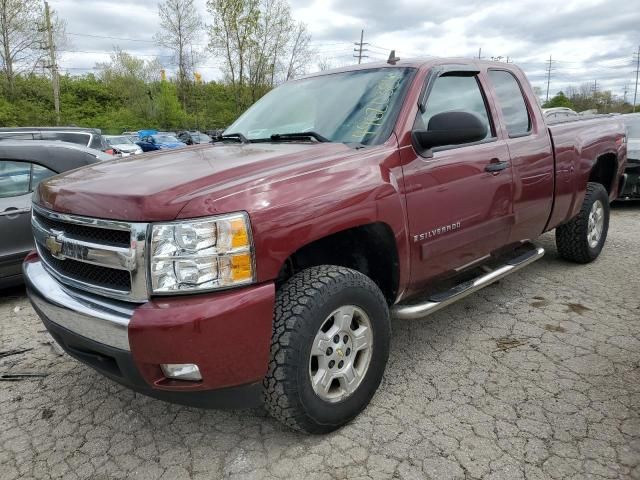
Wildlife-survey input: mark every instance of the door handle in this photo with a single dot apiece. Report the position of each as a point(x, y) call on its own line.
point(14, 211)
point(496, 166)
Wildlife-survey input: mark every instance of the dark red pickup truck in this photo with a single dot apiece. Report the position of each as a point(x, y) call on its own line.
point(266, 267)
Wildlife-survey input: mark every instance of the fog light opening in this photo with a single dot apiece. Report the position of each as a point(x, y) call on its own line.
point(181, 371)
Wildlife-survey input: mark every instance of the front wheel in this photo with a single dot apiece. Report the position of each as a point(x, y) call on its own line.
point(329, 348)
point(581, 240)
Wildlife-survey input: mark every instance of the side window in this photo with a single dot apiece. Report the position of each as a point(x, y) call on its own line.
point(511, 101)
point(98, 142)
point(456, 93)
point(71, 137)
point(14, 178)
point(17, 135)
point(38, 174)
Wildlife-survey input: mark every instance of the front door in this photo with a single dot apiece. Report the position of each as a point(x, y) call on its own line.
point(15, 216)
point(459, 212)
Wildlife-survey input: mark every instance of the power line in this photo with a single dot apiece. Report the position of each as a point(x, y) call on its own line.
point(110, 38)
point(360, 44)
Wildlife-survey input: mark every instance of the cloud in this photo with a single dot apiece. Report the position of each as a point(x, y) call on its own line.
point(588, 39)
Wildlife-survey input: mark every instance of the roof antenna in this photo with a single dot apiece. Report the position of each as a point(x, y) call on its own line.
point(392, 58)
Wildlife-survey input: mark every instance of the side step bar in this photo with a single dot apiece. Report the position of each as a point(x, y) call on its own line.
point(436, 302)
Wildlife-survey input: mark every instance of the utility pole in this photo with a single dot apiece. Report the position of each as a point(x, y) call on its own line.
point(359, 50)
point(625, 90)
point(549, 69)
point(53, 65)
point(635, 95)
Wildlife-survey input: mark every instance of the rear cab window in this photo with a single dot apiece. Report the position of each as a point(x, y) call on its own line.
point(511, 102)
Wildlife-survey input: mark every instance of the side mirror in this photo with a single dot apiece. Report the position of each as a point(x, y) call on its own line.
point(450, 128)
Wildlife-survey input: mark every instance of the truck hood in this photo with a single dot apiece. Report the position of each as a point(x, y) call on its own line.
point(156, 186)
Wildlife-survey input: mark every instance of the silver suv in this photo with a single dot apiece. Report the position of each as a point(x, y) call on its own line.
point(22, 166)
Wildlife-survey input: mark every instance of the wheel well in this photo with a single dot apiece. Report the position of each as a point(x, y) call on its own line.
point(369, 249)
point(604, 171)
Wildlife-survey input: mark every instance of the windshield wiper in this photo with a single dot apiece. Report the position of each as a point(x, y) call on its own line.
point(233, 136)
point(288, 136)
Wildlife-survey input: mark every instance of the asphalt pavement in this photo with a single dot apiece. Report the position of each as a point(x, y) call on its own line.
point(535, 377)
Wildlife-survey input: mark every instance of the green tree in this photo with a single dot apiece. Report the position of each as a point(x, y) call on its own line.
point(560, 100)
point(170, 115)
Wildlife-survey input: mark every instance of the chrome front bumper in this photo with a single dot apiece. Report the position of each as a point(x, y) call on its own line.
point(87, 315)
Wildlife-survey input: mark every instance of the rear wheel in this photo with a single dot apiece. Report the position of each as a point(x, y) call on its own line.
point(329, 348)
point(581, 240)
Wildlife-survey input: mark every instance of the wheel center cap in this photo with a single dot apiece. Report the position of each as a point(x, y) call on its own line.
point(340, 353)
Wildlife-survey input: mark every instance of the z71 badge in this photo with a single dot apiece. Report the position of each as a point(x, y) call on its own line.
point(436, 232)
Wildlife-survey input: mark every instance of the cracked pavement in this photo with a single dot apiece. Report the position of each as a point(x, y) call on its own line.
point(535, 377)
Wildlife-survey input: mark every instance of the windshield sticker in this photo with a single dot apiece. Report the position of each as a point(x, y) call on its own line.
point(376, 109)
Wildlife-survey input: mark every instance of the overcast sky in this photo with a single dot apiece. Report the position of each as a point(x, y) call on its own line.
point(589, 40)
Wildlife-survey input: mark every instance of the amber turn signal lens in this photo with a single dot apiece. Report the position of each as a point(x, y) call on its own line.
point(241, 267)
point(239, 234)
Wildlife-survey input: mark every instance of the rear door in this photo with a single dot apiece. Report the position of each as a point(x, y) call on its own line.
point(458, 211)
point(531, 154)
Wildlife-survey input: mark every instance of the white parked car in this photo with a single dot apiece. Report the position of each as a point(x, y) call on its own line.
point(558, 113)
point(122, 145)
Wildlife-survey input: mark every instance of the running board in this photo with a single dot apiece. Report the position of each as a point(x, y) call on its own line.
point(436, 302)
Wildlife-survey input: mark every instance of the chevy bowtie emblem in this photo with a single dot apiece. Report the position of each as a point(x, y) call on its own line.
point(54, 245)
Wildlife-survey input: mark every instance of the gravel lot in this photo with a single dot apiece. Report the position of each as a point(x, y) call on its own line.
point(535, 377)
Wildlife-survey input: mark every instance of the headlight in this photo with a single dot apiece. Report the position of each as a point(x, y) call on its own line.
point(197, 255)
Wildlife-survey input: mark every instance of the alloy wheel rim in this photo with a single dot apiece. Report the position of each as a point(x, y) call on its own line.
point(341, 353)
point(596, 224)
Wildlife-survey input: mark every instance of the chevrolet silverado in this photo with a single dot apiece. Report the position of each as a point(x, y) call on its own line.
point(265, 268)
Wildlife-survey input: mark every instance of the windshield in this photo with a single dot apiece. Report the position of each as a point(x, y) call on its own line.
point(118, 140)
point(165, 139)
point(633, 127)
point(351, 107)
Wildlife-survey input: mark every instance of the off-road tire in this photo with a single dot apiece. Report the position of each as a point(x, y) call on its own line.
point(572, 237)
point(302, 305)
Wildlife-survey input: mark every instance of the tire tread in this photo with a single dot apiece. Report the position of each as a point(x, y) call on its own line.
point(571, 240)
point(295, 301)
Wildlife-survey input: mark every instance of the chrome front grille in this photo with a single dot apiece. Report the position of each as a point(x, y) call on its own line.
point(105, 257)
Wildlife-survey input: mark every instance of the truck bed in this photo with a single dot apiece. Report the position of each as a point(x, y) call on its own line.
point(577, 144)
